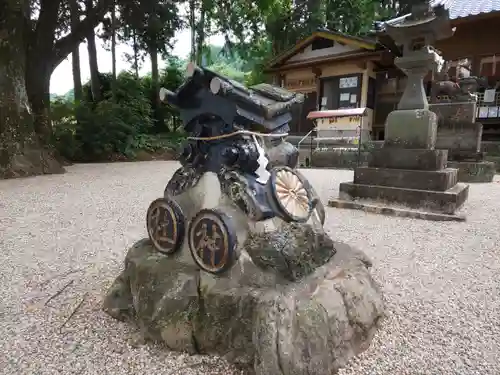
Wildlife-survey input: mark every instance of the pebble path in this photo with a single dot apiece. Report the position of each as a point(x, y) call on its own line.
point(70, 233)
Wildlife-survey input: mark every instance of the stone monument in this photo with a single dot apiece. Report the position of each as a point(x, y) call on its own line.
point(237, 263)
point(458, 132)
point(408, 170)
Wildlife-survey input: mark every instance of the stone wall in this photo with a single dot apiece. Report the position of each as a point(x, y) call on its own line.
point(342, 159)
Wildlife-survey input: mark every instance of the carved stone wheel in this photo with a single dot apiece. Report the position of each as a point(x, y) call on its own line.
point(319, 208)
point(165, 222)
point(290, 192)
point(212, 241)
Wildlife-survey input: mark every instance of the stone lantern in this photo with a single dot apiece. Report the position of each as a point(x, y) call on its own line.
point(408, 170)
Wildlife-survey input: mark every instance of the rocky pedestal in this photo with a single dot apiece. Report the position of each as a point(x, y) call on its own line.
point(460, 134)
point(295, 302)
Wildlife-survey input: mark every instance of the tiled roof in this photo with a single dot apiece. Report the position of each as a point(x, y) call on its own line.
point(466, 8)
point(460, 8)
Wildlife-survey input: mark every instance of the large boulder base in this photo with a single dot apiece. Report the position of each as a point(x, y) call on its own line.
point(295, 303)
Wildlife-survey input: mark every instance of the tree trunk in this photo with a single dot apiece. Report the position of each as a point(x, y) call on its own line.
point(20, 153)
point(77, 78)
point(75, 55)
point(136, 56)
point(200, 38)
point(155, 83)
point(95, 84)
point(192, 26)
point(113, 51)
point(38, 87)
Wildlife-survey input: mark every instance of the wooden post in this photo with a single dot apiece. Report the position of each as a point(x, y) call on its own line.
point(317, 75)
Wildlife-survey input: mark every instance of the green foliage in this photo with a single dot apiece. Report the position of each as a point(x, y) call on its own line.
point(153, 143)
point(114, 127)
point(64, 125)
point(171, 78)
point(104, 130)
point(67, 97)
point(153, 22)
point(228, 71)
point(258, 31)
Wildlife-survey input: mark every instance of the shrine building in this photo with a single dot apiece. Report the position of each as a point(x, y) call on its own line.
point(337, 72)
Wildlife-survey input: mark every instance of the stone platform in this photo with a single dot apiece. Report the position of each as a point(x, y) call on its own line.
point(446, 202)
point(392, 210)
point(414, 178)
point(474, 171)
point(461, 136)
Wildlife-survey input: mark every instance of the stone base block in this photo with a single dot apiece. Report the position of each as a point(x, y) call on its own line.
point(336, 158)
point(403, 178)
point(411, 128)
point(471, 171)
point(394, 211)
point(417, 159)
point(434, 201)
point(460, 155)
point(457, 129)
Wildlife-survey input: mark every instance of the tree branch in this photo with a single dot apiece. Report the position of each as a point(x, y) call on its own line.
point(46, 25)
point(64, 46)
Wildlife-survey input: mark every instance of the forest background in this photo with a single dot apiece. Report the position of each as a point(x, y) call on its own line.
point(118, 115)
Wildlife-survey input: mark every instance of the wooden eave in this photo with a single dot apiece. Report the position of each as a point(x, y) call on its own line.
point(330, 35)
point(346, 112)
point(360, 56)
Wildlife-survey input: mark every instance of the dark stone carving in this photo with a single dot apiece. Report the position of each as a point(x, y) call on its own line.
point(261, 293)
point(237, 134)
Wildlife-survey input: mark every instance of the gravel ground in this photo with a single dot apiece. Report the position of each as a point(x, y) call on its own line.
point(439, 279)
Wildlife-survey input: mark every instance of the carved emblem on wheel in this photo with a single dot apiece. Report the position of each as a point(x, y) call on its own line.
point(165, 224)
point(291, 194)
point(212, 241)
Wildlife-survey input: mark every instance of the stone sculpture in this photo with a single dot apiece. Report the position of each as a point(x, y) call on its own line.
point(458, 132)
point(462, 89)
point(443, 86)
point(229, 128)
point(409, 170)
point(237, 262)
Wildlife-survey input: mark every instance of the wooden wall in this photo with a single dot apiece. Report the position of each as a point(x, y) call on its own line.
point(474, 40)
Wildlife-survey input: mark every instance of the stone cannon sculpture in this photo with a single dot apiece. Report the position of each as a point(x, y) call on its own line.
point(237, 263)
point(229, 129)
